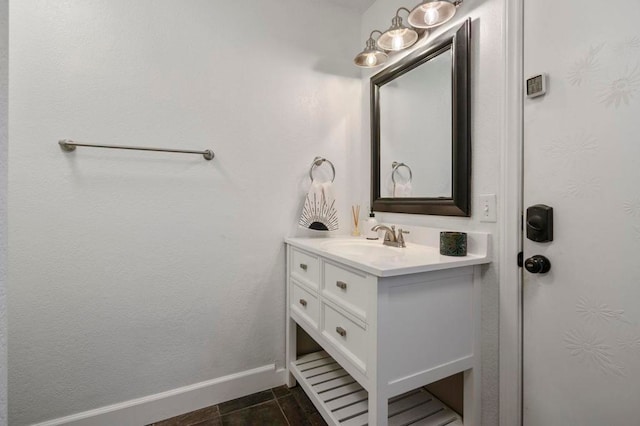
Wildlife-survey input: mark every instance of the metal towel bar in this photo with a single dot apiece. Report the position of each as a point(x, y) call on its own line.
point(69, 145)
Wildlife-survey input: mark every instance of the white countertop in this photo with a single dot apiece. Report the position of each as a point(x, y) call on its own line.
point(384, 261)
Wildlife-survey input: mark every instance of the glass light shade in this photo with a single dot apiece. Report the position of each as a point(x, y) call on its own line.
point(431, 13)
point(371, 56)
point(397, 37)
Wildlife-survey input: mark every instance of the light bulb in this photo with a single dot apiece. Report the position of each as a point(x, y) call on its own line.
point(431, 15)
point(396, 42)
point(371, 60)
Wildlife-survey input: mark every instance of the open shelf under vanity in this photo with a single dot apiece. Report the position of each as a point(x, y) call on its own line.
point(340, 397)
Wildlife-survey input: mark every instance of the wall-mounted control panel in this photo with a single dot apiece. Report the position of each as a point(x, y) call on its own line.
point(536, 85)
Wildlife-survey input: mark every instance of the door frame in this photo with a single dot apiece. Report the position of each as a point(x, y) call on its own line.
point(511, 188)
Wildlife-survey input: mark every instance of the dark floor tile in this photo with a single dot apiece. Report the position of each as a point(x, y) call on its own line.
point(259, 415)
point(292, 411)
point(316, 419)
point(303, 400)
point(173, 421)
point(245, 401)
point(216, 421)
point(198, 416)
point(281, 391)
point(191, 418)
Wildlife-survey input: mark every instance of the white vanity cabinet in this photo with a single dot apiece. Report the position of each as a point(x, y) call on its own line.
point(384, 334)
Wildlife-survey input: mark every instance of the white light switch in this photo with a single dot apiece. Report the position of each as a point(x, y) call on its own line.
point(488, 205)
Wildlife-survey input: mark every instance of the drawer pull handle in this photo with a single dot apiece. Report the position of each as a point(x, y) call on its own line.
point(341, 331)
point(341, 284)
point(303, 302)
point(303, 266)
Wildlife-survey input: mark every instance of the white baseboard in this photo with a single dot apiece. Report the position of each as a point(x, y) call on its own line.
point(153, 408)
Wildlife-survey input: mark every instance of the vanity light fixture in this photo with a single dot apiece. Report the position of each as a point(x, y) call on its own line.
point(432, 13)
point(428, 14)
point(397, 37)
point(372, 55)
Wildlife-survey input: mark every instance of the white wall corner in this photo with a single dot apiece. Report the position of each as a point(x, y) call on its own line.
point(153, 408)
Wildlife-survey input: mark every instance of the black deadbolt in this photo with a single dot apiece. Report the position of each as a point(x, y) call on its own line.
point(540, 223)
point(537, 264)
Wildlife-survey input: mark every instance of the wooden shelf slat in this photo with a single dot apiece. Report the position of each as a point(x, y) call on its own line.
point(326, 377)
point(341, 391)
point(352, 398)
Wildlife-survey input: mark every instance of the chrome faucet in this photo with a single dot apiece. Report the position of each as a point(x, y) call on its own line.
point(390, 237)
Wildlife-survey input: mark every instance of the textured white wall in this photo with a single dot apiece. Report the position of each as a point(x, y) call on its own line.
point(486, 95)
point(133, 273)
point(4, 64)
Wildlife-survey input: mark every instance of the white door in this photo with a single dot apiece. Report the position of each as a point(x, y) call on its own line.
point(581, 337)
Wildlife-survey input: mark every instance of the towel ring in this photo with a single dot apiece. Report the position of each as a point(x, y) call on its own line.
point(317, 162)
point(396, 166)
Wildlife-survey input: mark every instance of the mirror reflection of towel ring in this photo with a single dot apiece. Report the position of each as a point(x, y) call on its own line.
point(317, 162)
point(396, 166)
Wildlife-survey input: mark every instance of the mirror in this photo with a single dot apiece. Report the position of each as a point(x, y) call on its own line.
point(421, 150)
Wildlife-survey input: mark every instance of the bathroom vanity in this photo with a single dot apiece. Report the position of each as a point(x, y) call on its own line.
point(389, 321)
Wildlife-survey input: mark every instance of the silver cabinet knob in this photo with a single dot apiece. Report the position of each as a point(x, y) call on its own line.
point(341, 331)
point(341, 284)
point(303, 302)
point(303, 266)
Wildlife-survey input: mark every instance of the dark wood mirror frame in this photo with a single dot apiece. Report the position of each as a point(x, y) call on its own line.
point(459, 204)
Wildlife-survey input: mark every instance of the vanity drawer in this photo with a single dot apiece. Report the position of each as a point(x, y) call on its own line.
point(347, 336)
point(348, 289)
point(305, 304)
point(305, 267)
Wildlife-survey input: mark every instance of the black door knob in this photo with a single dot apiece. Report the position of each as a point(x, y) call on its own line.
point(537, 264)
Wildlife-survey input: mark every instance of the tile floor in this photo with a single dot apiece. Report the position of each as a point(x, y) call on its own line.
point(279, 406)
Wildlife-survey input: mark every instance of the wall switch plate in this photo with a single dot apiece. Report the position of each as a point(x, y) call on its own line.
point(488, 206)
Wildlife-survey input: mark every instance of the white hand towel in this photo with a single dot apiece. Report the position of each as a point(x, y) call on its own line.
point(319, 212)
point(397, 189)
point(402, 190)
point(315, 191)
point(407, 189)
point(327, 191)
